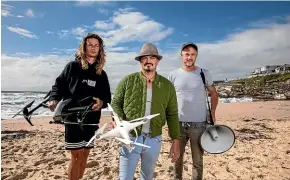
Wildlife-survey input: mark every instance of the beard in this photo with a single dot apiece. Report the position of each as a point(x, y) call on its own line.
point(148, 67)
point(189, 63)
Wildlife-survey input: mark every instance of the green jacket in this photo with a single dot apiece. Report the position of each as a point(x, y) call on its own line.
point(129, 102)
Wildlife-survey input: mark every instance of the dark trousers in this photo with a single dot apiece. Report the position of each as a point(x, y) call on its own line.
point(192, 132)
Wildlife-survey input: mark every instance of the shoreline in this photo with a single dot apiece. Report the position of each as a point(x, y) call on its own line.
point(104, 115)
point(220, 104)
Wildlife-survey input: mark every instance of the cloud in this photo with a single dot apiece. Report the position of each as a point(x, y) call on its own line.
point(77, 32)
point(6, 11)
point(23, 54)
point(102, 5)
point(127, 25)
point(241, 53)
point(86, 3)
point(63, 33)
point(104, 25)
point(103, 11)
point(262, 23)
point(69, 51)
point(288, 19)
point(117, 49)
point(49, 32)
point(235, 56)
point(33, 73)
point(29, 13)
point(22, 32)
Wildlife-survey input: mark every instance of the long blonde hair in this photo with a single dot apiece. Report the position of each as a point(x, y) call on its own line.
point(81, 53)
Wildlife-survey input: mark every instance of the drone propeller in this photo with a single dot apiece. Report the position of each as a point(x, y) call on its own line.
point(25, 109)
point(27, 114)
point(98, 133)
point(128, 142)
point(139, 144)
point(146, 117)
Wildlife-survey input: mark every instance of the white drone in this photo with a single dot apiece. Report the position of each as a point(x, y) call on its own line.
point(122, 129)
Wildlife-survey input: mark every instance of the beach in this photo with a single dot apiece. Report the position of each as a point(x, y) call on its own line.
point(261, 150)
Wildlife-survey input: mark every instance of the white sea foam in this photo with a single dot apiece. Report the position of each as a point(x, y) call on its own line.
point(12, 102)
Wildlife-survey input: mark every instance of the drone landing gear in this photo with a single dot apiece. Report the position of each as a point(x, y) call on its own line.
point(81, 113)
point(131, 147)
point(27, 114)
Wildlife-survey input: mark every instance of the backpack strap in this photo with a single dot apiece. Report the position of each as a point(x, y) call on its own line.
point(202, 77)
point(209, 109)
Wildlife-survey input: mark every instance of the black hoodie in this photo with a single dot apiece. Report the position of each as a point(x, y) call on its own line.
point(76, 83)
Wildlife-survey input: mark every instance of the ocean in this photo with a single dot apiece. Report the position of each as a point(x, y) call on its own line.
point(13, 102)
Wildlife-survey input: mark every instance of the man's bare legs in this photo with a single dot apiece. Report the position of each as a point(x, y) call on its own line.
point(83, 162)
point(73, 169)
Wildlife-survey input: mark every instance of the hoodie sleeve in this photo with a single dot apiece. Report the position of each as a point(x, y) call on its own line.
point(61, 84)
point(107, 97)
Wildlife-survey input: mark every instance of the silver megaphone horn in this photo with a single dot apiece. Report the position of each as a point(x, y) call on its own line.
point(216, 139)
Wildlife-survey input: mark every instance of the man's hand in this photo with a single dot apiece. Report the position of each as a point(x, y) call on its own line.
point(214, 101)
point(52, 104)
point(98, 104)
point(213, 117)
point(175, 150)
point(112, 124)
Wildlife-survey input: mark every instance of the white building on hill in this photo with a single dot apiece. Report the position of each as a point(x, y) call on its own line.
point(270, 69)
point(284, 68)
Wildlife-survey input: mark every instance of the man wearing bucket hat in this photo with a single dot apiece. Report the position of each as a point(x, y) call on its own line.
point(140, 94)
point(192, 108)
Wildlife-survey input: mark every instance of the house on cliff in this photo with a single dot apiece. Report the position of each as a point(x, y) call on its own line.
point(282, 69)
point(270, 69)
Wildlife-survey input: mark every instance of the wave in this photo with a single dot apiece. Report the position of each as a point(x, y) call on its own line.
point(12, 102)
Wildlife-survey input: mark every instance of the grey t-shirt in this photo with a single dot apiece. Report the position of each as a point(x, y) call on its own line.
point(190, 93)
point(146, 126)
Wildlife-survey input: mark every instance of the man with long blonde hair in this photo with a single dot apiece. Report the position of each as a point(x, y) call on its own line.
point(80, 79)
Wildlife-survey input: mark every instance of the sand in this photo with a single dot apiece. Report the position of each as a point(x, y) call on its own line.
point(261, 150)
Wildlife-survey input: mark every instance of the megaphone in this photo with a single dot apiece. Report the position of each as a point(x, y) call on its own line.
point(217, 139)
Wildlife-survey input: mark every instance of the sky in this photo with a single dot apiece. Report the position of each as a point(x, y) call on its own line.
point(39, 38)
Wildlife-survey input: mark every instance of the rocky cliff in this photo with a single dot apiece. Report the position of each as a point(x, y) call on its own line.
point(267, 90)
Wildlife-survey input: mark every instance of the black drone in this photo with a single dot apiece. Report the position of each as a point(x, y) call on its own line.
point(62, 111)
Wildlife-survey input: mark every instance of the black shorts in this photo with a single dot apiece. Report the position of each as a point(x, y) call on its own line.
point(76, 138)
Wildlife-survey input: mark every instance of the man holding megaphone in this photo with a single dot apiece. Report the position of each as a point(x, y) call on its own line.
point(192, 107)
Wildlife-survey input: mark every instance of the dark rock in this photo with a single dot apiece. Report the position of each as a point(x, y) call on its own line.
point(268, 91)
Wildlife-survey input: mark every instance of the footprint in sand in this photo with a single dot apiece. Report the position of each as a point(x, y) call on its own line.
point(4, 176)
point(106, 171)
point(61, 161)
point(159, 165)
point(21, 175)
point(28, 170)
point(171, 168)
point(44, 161)
point(57, 177)
point(92, 164)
